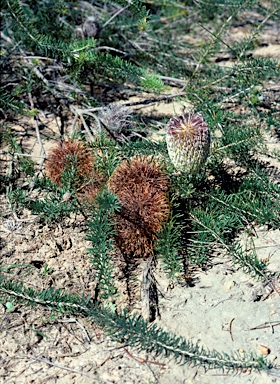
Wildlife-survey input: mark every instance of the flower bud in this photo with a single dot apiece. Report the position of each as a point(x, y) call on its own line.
point(188, 142)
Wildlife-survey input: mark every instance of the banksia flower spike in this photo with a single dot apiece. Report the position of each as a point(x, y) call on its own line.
point(141, 186)
point(69, 156)
point(188, 142)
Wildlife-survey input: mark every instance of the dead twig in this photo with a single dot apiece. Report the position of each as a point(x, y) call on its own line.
point(273, 289)
point(74, 125)
point(103, 362)
point(145, 290)
point(104, 47)
point(21, 154)
point(72, 320)
point(79, 112)
point(142, 361)
point(155, 100)
point(43, 152)
point(45, 361)
point(115, 15)
point(267, 324)
point(172, 79)
point(230, 328)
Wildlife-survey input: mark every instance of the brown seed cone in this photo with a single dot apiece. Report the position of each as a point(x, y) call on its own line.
point(142, 188)
point(188, 142)
point(133, 241)
point(63, 155)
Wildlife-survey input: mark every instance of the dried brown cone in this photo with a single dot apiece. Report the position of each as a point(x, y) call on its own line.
point(141, 186)
point(63, 156)
point(188, 142)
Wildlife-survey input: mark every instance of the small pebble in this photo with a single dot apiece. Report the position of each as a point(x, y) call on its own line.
point(229, 284)
point(264, 350)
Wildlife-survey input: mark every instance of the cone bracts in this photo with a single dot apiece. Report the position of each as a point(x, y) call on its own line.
point(74, 158)
point(141, 186)
point(188, 142)
point(68, 155)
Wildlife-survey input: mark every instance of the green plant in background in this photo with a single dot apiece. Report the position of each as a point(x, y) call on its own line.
point(81, 59)
point(31, 27)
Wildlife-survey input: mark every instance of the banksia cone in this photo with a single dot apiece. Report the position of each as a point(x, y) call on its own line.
point(142, 188)
point(188, 142)
point(67, 155)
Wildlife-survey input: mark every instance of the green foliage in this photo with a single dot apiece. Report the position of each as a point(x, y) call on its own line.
point(132, 329)
point(225, 205)
point(258, 199)
point(152, 83)
point(242, 141)
point(49, 31)
point(168, 246)
point(51, 207)
point(101, 232)
point(25, 28)
point(108, 154)
point(21, 163)
point(70, 178)
point(136, 7)
point(223, 214)
point(8, 103)
point(140, 147)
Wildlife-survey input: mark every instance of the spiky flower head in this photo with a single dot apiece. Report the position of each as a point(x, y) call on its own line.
point(188, 142)
point(141, 186)
point(71, 157)
point(117, 118)
point(90, 28)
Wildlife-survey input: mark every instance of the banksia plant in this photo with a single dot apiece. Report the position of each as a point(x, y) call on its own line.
point(188, 142)
point(69, 163)
point(141, 186)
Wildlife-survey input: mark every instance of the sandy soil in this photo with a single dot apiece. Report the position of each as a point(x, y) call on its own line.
point(225, 310)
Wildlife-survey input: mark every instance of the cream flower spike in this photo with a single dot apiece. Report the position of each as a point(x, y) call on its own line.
point(188, 142)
